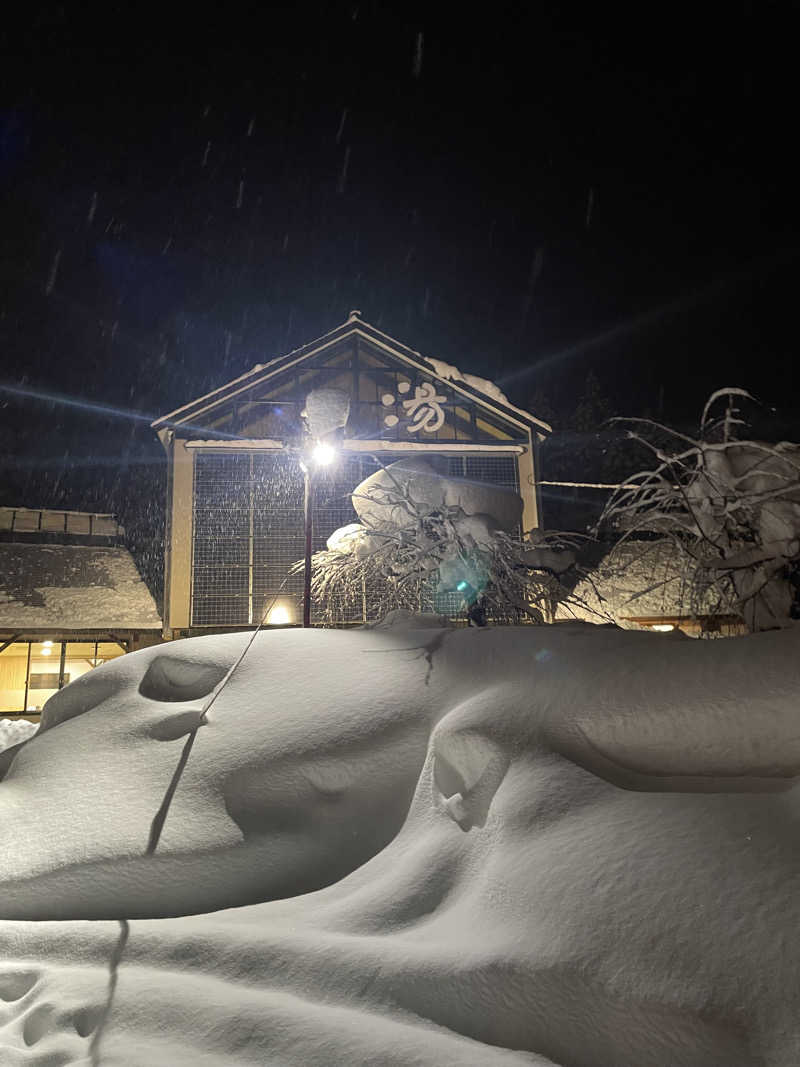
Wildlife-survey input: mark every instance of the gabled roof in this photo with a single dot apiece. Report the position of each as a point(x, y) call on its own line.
point(478, 389)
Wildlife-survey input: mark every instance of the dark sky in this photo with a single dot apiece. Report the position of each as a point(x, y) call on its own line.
point(531, 192)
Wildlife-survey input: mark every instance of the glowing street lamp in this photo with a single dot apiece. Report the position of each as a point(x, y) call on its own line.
point(325, 414)
point(322, 455)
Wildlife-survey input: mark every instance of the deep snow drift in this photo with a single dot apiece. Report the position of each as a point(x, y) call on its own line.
point(569, 845)
point(12, 731)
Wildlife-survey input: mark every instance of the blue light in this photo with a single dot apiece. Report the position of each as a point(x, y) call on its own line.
point(462, 585)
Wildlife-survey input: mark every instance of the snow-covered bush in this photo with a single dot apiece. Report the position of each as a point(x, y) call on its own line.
point(411, 546)
point(730, 508)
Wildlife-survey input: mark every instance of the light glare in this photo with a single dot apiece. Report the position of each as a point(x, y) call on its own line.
point(323, 454)
point(279, 616)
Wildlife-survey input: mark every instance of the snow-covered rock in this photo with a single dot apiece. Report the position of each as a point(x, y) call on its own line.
point(343, 538)
point(566, 845)
point(356, 539)
point(378, 500)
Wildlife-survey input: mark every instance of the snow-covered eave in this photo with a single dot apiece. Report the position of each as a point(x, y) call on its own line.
point(495, 400)
point(378, 445)
point(260, 444)
point(21, 632)
point(356, 444)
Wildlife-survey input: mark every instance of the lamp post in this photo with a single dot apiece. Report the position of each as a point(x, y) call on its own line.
point(322, 455)
point(325, 413)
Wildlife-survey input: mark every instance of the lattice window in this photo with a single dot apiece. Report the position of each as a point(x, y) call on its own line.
point(248, 527)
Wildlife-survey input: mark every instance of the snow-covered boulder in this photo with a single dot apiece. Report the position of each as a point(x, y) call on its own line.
point(566, 845)
point(354, 539)
point(379, 499)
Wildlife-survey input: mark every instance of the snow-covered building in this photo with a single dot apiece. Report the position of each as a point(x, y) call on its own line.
point(235, 484)
point(71, 598)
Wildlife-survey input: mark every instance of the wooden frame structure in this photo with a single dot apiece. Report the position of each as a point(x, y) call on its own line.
point(401, 403)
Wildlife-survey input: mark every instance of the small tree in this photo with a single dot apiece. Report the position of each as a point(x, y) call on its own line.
point(730, 507)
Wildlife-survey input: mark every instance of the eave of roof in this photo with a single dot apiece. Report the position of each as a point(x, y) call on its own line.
point(353, 325)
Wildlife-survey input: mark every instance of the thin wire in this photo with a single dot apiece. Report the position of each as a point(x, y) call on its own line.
point(221, 685)
point(157, 825)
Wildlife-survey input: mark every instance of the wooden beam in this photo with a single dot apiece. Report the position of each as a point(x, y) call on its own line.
point(10, 641)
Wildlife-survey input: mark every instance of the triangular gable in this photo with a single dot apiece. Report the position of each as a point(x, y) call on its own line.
point(395, 393)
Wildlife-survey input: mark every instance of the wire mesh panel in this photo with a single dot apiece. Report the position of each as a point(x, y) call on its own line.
point(498, 470)
point(277, 535)
point(220, 572)
point(249, 530)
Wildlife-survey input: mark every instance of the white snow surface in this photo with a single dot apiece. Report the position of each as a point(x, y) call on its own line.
point(639, 579)
point(12, 731)
point(379, 500)
point(567, 845)
point(73, 587)
point(450, 373)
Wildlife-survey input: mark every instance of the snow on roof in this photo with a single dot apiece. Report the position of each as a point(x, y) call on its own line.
point(481, 385)
point(640, 579)
point(73, 587)
point(446, 371)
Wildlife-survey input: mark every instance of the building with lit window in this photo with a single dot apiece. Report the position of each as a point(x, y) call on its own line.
point(71, 598)
point(235, 485)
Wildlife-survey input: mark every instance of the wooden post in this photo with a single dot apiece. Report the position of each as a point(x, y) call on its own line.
point(27, 678)
point(61, 664)
point(180, 505)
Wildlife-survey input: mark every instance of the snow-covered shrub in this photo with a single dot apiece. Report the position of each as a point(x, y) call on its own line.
point(420, 548)
point(730, 507)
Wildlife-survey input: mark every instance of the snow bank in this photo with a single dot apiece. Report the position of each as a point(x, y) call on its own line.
point(570, 845)
point(13, 731)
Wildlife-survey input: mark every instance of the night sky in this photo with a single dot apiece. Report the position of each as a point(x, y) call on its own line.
point(532, 192)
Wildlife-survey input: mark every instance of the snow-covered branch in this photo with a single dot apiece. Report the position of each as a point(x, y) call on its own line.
point(411, 546)
point(730, 507)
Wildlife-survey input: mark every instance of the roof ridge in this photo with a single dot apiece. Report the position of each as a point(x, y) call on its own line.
point(354, 322)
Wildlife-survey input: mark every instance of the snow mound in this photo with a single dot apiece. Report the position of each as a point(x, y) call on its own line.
point(13, 731)
point(402, 619)
point(567, 845)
